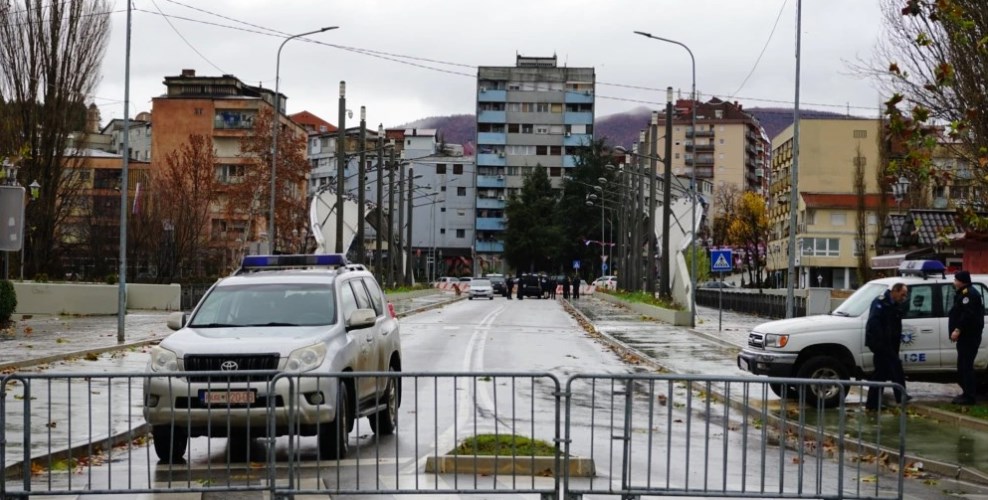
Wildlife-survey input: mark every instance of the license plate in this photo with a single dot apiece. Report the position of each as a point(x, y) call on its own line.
point(743, 364)
point(228, 397)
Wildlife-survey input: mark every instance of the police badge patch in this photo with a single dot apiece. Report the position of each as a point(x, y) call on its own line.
point(966, 300)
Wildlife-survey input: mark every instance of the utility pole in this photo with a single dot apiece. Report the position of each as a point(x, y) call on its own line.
point(409, 275)
point(340, 167)
point(652, 162)
point(622, 238)
point(794, 189)
point(361, 185)
point(666, 289)
point(401, 221)
point(124, 185)
point(391, 224)
point(379, 228)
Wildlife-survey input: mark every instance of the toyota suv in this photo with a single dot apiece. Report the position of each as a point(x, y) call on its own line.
point(832, 346)
point(269, 339)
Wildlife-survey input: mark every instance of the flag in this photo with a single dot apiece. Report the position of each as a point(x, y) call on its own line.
point(137, 199)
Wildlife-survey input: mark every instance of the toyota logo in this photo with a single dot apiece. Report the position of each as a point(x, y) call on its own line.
point(229, 366)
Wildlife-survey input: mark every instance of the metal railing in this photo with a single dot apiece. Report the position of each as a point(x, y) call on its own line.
point(628, 435)
point(760, 304)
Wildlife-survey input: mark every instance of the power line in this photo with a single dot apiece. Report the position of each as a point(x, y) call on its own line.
point(187, 42)
point(760, 54)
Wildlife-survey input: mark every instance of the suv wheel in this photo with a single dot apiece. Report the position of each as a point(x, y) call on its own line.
point(334, 438)
point(169, 442)
point(824, 368)
point(384, 422)
point(785, 391)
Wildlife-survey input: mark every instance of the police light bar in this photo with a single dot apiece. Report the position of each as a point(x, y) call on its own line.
point(281, 261)
point(922, 267)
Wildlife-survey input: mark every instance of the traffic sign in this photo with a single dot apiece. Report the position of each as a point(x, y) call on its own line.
point(603, 267)
point(576, 264)
point(721, 261)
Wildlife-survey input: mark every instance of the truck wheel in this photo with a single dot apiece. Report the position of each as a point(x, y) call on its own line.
point(824, 368)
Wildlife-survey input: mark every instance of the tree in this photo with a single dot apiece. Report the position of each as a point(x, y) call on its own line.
point(247, 197)
point(579, 223)
point(182, 197)
point(726, 200)
point(531, 239)
point(50, 55)
point(748, 231)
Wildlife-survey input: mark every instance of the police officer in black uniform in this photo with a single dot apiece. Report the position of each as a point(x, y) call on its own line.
point(966, 323)
point(883, 334)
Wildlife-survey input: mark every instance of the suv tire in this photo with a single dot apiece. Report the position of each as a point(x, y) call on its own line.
point(824, 368)
point(384, 422)
point(169, 442)
point(334, 437)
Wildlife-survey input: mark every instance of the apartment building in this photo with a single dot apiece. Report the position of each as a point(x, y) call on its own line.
point(828, 243)
point(224, 109)
point(530, 114)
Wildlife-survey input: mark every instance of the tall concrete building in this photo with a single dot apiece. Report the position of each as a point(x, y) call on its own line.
point(530, 114)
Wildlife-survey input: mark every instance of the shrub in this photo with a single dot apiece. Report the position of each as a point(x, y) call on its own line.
point(111, 279)
point(41, 278)
point(8, 301)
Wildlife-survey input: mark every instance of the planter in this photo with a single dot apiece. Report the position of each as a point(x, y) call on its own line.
point(671, 316)
point(508, 466)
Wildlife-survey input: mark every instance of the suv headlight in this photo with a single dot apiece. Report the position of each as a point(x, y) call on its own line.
point(163, 360)
point(306, 358)
point(776, 340)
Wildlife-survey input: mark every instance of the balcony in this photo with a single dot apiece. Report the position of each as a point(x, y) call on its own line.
point(490, 203)
point(572, 97)
point(492, 137)
point(577, 139)
point(491, 160)
point(569, 161)
point(490, 247)
point(578, 118)
point(490, 181)
point(488, 116)
point(700, 147)
point(490, 224)
point(699, 133)
point(700, 160)
point(492, 96)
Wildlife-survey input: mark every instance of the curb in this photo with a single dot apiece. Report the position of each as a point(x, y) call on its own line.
point(76, 354)
point(507, 465)
point(16, 471)
point(429, 307)
point(940, 468)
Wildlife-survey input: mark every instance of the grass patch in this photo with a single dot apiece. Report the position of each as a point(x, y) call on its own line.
point(974, 411)
point(504, 445)
point(403, 289)
point(644, 298)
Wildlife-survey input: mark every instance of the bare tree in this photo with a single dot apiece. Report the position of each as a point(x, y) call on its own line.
point(50, 55)
point(726, 199)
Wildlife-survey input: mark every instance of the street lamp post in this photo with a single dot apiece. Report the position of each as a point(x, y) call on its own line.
point(361, 183)
point(692, 174)
point(276, 117)
point(380, 194)
point(341, 161)
point(9, 179)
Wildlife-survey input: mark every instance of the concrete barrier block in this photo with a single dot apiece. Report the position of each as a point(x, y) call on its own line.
point(154, 297)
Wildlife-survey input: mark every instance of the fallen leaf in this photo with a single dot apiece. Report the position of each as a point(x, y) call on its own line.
point(662, 399)
point(869, 479)
point(51, 425)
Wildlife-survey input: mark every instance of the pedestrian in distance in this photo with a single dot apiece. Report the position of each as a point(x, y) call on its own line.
point(566, 287)
point(966, 322)
point(508, 282)
point(883, 335)
point(576, 286)
point(521, 285)
point(552, 288)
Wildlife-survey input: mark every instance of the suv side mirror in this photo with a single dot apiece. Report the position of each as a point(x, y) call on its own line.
point(361, 318)
point(176, 320)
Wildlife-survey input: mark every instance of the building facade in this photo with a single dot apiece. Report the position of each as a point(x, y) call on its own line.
point(829, 243)
point(534, 113)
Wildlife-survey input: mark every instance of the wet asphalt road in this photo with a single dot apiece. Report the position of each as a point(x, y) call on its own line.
point(529, 336)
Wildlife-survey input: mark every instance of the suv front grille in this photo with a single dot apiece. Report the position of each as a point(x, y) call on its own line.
point(756, 339)
point(216, 363)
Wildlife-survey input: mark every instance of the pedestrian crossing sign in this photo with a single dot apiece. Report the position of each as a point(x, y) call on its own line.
point(721, 261)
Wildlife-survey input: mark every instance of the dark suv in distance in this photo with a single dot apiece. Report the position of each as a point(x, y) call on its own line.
point(531, 285)
point(497, 282)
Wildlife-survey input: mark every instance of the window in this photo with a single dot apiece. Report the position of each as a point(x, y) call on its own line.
point(461, 233)
point(233, 119)
point(442, 188)
point(512, 128)
point(542, 150)
point(442, 230)
point(556, 107)
point(527, 107)
point(555, 150)
point(719, 113)
point(514, 106)
point(442, 209)
point(920, 302)
point(375, 295)
point(230, 174)
point(860, 161)
point(858, 246)
point(542, 107)
point(555, 171)
point(513, 171)
point(348, 302)
point(198, 111)
point(440, 168)
point(542, 129)
point(722, 141)
point(363, 300)
point(948, 292)
point(677, 156)
point(821, 247)
point(461, 191)
point(872, 219)
point(860, 134)
point(526, 128)
point(838, 219)
point(810, 217)
point(457, 168)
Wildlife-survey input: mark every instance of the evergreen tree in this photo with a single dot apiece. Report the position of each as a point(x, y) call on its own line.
point(531, 239)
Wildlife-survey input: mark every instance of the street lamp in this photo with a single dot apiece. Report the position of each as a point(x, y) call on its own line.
point(274, 125)
point(692, 173)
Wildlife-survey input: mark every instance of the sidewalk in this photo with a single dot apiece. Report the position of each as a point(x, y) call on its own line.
point(959, 442)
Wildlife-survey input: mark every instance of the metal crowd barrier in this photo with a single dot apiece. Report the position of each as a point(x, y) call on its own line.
point(627, 435)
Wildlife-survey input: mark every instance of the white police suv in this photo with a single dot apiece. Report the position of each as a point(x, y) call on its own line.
point(832, 346)
point(265, 352)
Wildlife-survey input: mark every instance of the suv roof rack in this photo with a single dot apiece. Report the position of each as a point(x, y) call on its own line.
point(922, 268)
point(273, 262)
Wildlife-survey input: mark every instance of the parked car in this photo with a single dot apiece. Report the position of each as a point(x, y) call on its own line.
point(481, 288)
point(833, 346)
point(270, 316)
point(445, 280)
point(606, 282)
point(497, 282)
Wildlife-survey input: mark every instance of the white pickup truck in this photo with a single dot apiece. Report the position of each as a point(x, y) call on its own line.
point(832, 346)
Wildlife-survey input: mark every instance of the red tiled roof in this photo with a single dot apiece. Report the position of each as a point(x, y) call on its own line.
point(311, 122)
point(844, 201)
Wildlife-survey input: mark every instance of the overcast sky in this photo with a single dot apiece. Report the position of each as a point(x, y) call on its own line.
point(415, 40)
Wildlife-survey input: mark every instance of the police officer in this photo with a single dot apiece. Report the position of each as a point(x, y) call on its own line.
point(966, 323)
point(883, 333)
point(508, 282)
point(566, 287)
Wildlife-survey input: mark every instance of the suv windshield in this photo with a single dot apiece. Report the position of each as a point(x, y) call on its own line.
point(857, 304)
point(275, 304)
